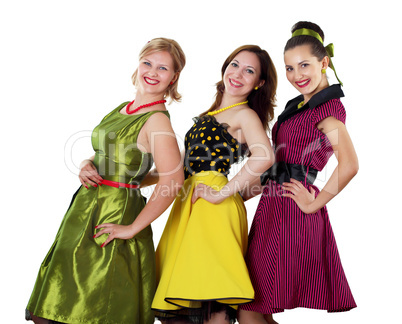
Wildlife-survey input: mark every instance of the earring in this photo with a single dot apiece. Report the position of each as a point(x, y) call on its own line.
point(323, 71)
point(256, 88)
point(171, 82)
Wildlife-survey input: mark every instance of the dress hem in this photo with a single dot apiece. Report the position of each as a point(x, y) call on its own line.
point(281, 310)
point(246, 301)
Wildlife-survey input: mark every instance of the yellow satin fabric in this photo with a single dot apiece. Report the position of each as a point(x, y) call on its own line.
point(80, 282)
point(200, 255)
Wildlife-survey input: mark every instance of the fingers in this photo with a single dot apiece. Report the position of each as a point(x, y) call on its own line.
point(94, 174)
point(108, 240)
point(106, 229)
point(197, 193)
point(302, 196)
point(83, 183)
point(87, 181)
point(296, 183)
point(296, 191)
point(115, 231)
point(290, 187)
point(89, 175)
point(194, 197)
point(288, 195)
point(293, 186)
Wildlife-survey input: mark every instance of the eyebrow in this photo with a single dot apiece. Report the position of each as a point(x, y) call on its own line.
point(250, 66)
point(302, 62)
point(145, 59)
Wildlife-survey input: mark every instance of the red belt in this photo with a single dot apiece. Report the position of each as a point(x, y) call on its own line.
point(119, 184)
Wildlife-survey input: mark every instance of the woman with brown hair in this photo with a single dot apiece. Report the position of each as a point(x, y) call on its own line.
point(200, 258)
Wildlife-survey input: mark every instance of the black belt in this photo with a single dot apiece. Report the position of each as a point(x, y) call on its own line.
point(282, 172)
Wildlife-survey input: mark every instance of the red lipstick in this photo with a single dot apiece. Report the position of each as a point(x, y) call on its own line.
point(304, 83)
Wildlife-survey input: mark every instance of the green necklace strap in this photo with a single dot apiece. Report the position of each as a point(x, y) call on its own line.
point(329, 48)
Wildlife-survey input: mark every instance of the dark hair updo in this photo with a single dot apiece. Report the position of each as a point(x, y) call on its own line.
point(317, 48)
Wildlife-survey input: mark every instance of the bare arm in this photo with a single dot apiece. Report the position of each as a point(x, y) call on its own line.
point(166, 156)
point(346, 169)
point(152, 177)
point(254, 189)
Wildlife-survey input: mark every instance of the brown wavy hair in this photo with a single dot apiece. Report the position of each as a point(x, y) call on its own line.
point(179, 61)
point(262, 101)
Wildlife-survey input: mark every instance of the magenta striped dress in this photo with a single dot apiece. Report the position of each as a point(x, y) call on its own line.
point(292, 257)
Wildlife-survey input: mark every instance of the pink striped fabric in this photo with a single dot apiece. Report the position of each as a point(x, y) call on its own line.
point(292, 257)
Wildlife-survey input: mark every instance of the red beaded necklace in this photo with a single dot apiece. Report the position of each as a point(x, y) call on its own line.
point(143, 106)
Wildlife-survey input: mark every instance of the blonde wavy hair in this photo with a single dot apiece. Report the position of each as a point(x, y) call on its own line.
point(161, 44)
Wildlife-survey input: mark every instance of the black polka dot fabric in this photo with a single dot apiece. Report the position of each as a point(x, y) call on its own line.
point(210, 147)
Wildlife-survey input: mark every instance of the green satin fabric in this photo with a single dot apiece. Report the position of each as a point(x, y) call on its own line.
point(308, 32)
point(80, 282)
point(330, 51)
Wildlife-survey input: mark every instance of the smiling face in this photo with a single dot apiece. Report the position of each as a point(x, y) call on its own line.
point(303, 71)
point(242, 75)
point(155, 72)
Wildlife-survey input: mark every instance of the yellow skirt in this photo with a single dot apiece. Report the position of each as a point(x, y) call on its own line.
point(200, 256)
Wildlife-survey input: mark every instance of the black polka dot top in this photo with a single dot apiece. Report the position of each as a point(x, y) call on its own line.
point(210, 147)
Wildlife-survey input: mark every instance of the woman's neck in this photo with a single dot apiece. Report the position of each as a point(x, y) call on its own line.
point(228, 100)
point(142, 99)
point(324, 84)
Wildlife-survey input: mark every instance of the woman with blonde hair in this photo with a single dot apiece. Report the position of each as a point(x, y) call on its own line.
point(86, 278)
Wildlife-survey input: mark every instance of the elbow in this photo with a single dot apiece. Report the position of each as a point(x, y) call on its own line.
point(263, 164)
point(351, 168)
point(354, 166)
point(262, 158)
point(171, 184)
point(269, 162)
point(178, 181)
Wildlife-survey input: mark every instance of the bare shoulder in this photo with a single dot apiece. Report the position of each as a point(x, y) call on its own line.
point(157, 129)
point(158, 121)
point(247, 116)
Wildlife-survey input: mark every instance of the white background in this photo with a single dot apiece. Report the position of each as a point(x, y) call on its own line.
point(65, 64)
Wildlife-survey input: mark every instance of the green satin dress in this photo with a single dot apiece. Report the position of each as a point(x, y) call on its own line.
point(80, 282)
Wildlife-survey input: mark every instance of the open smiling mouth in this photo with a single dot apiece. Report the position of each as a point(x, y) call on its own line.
point(303, 83)
point(235, 83)
point(151, 81)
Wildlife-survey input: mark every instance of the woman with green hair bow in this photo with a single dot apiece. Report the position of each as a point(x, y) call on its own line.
point(292, 256)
